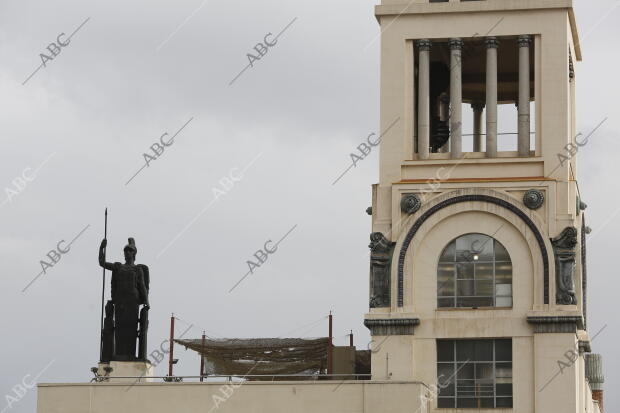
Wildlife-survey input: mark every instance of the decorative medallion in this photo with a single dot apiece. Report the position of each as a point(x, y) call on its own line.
point(410, 203)
point(533, 199)
point(581, 206)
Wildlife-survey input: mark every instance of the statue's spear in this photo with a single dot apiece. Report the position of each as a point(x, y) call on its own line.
point(103, 287)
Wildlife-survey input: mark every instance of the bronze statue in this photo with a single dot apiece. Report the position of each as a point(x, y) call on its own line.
point(130, 289)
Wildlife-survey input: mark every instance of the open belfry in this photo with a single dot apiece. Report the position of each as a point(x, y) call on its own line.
point(478, 285)
point(478, 270)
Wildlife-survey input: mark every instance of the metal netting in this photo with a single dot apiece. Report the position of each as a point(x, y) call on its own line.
point(261, 356)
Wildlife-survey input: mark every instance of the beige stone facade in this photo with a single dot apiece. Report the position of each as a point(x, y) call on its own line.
point(466, 192)
point(460, 192)
point(280, 397)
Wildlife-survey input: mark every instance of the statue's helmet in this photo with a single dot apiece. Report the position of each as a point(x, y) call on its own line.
point(131, 246)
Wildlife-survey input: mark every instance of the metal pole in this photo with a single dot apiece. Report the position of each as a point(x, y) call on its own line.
point(103, 288)
point(351, 339)
point(330, 349)
point(171, 354)
point(202, 357)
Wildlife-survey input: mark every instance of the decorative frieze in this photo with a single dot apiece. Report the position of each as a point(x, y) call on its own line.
point(556, 324)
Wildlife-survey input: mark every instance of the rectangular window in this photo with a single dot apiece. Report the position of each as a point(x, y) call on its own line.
point(474, 373)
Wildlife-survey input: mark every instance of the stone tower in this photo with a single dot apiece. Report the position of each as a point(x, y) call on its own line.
point(478, 274)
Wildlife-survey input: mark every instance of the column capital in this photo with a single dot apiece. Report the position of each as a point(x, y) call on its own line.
point(424, 44)
point(478, 106)
point(456, 43)
point(492, 42)
point(524, 40)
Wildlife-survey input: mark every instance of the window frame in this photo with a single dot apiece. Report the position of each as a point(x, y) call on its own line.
point(458, 263)
point(458, 365)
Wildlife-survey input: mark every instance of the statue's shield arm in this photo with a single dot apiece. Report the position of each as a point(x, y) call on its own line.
point(144, 281)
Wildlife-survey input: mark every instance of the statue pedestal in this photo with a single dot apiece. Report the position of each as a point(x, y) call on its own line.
point(127, 371)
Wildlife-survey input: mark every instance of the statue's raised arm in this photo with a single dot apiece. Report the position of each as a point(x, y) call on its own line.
point(102, 262)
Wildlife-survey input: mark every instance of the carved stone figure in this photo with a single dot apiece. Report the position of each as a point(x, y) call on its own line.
point(565, 262)
point(130, 289)
point(381, 251)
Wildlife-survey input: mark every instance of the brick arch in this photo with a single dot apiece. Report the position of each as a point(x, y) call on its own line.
point(471, 198)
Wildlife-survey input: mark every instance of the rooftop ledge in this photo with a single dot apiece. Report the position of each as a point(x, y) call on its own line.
point(400, 7)
point(391, 7)
point(472, 158)
point(245, 383)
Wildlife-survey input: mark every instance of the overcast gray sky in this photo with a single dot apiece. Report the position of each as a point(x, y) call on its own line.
point(136, 70)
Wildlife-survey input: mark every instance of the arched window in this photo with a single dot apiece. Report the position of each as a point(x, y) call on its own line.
point(474, 271)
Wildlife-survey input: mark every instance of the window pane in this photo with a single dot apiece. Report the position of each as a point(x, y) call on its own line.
point(446, 379)
point(466, 388)
point(484, 288)
point(445, 350)
point(465, 350)
point(503, 302)
point(465, 271)
point(503, 290)
point(465, 288)
point(504, 402)
point(503, 272)
point(445, 303)
point(471, 245)
point(445, 280)
point(463, 247)
point(500, 252)
point(443, 402)
point(503, 350)
point(504, 389)
point(466, 371)
point(484, 372)
point(466, 402)
point(484, 271)
point(503, 371)
point(471, 302)
point(487, 402)
point(484, 350)
point(448, 253)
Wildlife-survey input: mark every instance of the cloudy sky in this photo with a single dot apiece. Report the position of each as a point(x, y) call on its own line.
point(253, 161)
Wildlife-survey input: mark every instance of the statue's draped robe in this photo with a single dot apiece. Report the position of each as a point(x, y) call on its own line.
point(128, 292)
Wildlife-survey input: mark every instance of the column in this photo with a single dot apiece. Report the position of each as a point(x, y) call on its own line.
point(524, 95)
point(424, 122)
point(492, 45)
point(456, 98)
point(477, 107)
